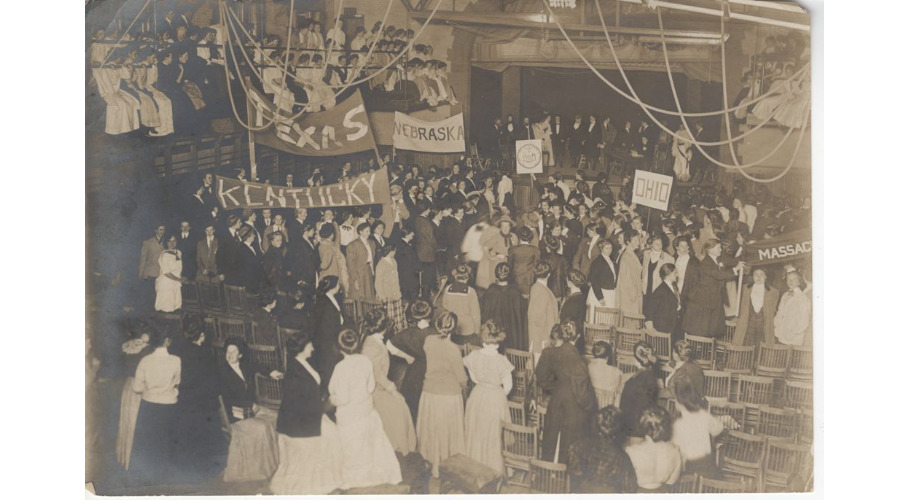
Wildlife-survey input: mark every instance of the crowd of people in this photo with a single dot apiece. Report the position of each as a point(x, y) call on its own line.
point(452, 260)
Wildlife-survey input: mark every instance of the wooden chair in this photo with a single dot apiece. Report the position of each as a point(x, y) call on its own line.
point(740, 454)
point(805, 427)
point(541, 411)
point(703, 350)
point(593, 333)
point(282, 335)
point(222, 416)
point(517, 410)
point(522, 384)
point(717, 385)
point(625, 340)
point(798, 395)
point(230, 328)
point(522, 360)
point(236, 301)
point(518, 448)
point(735, 411)
point(523, 371)
point(266, 356)
point(211, 297)
point(777, 424)
point(632, 320)
point(662, 344)
point(269, 391)
point(605, 398)
point(210, 327)
point(606, 316)
point(730, 327)
point(800, 366)
point(707, 485)
point(772, 360)
point(736, 359)
point(687, 483)
point(463, 474)
point(754, 392)
point(548, 477)
point(191, 301)
point(350, 311)
point(262, 336)
point(784, 461)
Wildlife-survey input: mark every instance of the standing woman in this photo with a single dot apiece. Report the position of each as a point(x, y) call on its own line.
point(390, 404)
point(328, 317)
point(133, 350)
point(504, 304)
point(495, 242)
point(387, 287)
point(681, 151)
point(440, 422)
point(757, 312)
point(310, 461)
point(368, 457)
point(630, 275)
point(653, 259)
point(543, 310)
point(360, 264)
point(408, 345)
point(705, 314)
point(460, 299)
point(562, 372)
point(558, 263)
point(792, 321)
point(331, 260)
point(169, 283)
point(487, 406)
point(603, 280)
point(157, 378)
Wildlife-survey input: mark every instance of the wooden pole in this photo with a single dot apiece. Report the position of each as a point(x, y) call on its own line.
point(253, 168)
point(740, 289)
point(557, 448)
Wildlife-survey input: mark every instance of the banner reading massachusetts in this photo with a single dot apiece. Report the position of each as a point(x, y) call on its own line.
point(368, 189)
point(785, 247)
point(340, 130)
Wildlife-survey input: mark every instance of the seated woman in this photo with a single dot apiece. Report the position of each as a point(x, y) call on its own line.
point(368, 457)
point(603, 375)
point(297, 317)
point(253, 450)
point(390, 404)
point(657, 461)
point(600, 465)
point(310, 461)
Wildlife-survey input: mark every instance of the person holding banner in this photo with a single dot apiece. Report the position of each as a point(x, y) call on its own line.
point(704, 315)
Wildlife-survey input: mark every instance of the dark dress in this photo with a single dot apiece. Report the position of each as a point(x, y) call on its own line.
point(411, 342)
point(328, 323)
point(302, 404)
point(557, 282)
point(574, 308)
point(407, 270)
point(562, 372)
point(508, 308)
point(296, 319)
point(640, 392)
point(202, 447)
point(600, 466)
point(705, 314)
point(273, 267)
point(238, 392)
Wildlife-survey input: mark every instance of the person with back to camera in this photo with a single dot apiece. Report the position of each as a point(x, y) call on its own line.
point(657, 461)
point(461, 299)
point(641, 390)
point(600, 465)
point(408, 345)
point(603, 375)
point(368, 458)
point(487, 406)
point(504, 304)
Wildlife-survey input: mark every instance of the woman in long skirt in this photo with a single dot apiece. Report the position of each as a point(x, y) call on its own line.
point(134, 350)
point(487, 406)
point(390, 404)
point(440, 423)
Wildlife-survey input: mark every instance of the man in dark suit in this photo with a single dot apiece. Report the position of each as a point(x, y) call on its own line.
point(590, 141)
point(426, 246)
point(663, 306)
point(704, 315)
point(450, 236)
point(186, 244)
point(626, 138)
point(262, 223)
point(228, 248)
point(588, 249)
point(574, 140)
point(525, 131)
point(407, 265)
point(607, 141)
point(559, 138)
point(302, 259)
point(249, 272)
point(206, 258)
point(152, 248)
point(295, 226)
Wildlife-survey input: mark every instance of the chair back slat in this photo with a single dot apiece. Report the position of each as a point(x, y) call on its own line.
point(519, 442)
point(735, 358)
point(717, 385)
point(269, 391)
point(517, 411)
point(230, 328)
point(717, 486)
point(236, 300)
point(724, 410)
point(742, 449)
point(800, 366)
point(662, 344)
point(626, 338)
point(593, 333)
point(805, 427)
point(772, 359)
point(263, 335)
point(754, 390)
point(783, 461)
point(632, 320)
point(606, 316)
point(703, 350)
point(776, 423)
point(211, 297)
point(190, 293)
point(548, 477)
point(798, 395)
point(222, 416)
point(628, 365)
point(266, 356)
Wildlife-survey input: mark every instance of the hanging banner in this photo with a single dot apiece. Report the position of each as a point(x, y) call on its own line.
point(340, 130)
point(529, 156)
point(782, 248)
point(368, 189)
point(652, 190)
point(446, 136)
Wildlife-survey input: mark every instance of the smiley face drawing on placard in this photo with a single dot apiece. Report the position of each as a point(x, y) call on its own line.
point(528, 157)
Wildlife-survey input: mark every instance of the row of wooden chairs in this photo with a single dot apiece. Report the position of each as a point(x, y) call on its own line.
point(777, 423)
point(520, 451)
point(770, 463)
point(694, 483)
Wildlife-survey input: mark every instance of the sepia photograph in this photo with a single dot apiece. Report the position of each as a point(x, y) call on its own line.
point(410, 247)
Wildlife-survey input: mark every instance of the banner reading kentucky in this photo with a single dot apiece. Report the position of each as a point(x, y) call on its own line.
point(446, 136)
point(340, 130)
point(368, 189)
point(785, 247)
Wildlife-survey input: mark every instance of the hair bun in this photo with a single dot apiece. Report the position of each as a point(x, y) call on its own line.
point(446, 323)
point(502, 271)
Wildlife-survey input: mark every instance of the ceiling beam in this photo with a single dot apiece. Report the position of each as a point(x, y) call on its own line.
point(540, 21)
point(778, 8)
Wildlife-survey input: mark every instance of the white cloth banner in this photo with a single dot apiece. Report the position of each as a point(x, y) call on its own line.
point(652, 190)
point(529, 156)
point(446, 136)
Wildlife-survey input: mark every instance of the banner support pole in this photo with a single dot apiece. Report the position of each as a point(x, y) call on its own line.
point(740, 290)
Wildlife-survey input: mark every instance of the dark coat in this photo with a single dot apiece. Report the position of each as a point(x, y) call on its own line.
point(574, 309)
point(273, 267)
point(662, 309)
point(411, 341)
point(327, 320)
point(187, 248)
point(198, 379)
point(302, 404)
point(640, 391)
point(602, 277)
point(424, 238)
point(562, 372)
point(770, 305)
point(301, 262)
point(296, 319)
point(248, 271)
point(236, 391)
point(522, 259)
point(704, 315)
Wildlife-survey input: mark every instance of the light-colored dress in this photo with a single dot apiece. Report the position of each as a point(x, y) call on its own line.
point(122, 113)
point(169, 297)
point(368, 457)
point(390, 404)
point(681, 151)
point(792, 320)
point(440, 420)
point(487, 406)
point(165, 107)
point(630, 283)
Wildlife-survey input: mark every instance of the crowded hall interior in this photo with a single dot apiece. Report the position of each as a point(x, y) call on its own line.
point(448, 246)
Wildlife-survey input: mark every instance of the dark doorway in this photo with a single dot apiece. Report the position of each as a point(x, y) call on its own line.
point(485, 106)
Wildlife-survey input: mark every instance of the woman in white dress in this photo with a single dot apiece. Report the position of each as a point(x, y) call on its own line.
point(122, 114)
point(322, 96)
point(681, 151)
point(368, 457)
point(390, 404)
point(168, 284)
point(792, 322)
point(149, 77)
